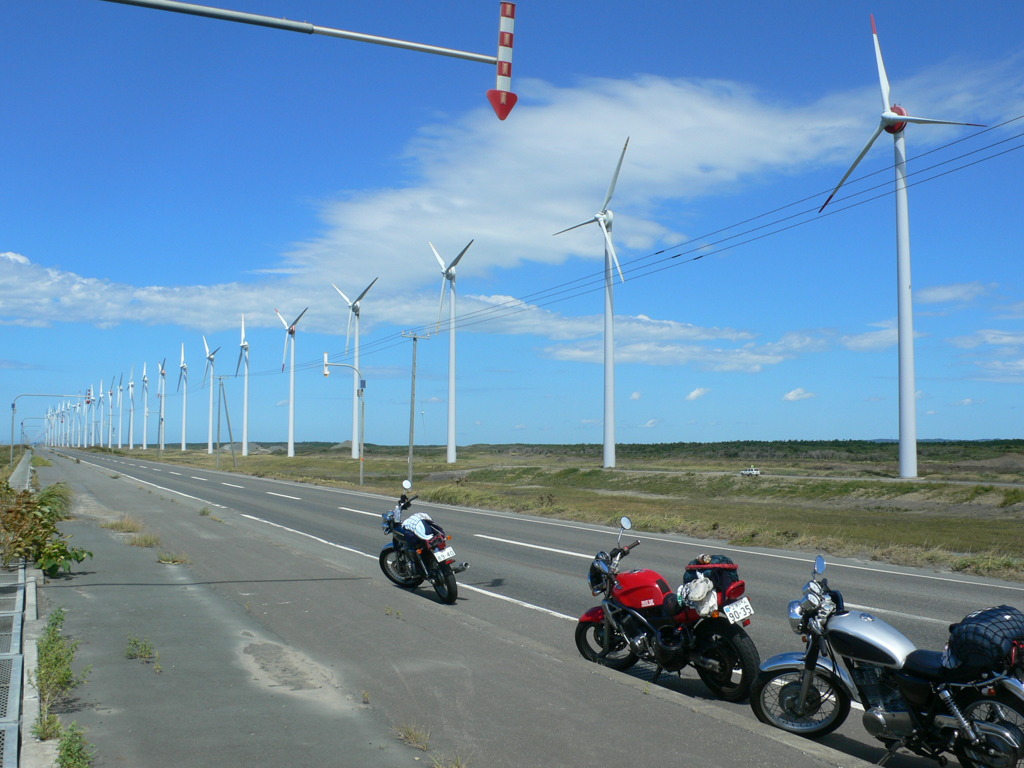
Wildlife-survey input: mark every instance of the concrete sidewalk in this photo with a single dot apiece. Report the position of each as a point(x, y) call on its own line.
point(219, 689)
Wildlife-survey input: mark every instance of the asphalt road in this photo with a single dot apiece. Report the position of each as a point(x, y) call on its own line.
point(499, 677)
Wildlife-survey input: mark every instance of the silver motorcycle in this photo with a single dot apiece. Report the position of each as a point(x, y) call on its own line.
point(928, 702)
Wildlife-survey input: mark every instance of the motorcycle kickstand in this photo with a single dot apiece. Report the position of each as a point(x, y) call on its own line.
point(657, 674)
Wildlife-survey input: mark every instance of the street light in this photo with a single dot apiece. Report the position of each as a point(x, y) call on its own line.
point(361, 394)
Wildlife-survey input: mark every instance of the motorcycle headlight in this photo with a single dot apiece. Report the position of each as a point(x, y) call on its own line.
point(796, 617)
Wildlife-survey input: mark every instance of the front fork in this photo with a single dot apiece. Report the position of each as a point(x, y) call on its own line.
point(810, 667)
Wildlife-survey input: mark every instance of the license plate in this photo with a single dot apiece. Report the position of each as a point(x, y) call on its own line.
point(738, 611)
point(448, 553)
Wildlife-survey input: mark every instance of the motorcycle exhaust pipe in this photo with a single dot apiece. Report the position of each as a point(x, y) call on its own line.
point(459, 567)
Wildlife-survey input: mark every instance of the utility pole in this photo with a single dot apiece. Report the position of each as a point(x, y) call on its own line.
point(412, 399)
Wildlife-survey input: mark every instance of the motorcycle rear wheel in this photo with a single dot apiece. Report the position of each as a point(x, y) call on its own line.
point(1001, 708)
point(774, 695)
point(395, 567)
point(590, 644)
point(730, 646)
point(445, 585)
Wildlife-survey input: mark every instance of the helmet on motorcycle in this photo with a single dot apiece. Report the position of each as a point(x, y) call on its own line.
point(597, 576)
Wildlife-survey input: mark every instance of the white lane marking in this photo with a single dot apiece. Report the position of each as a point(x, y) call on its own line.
point(309, 536)
point(162, 488)
point(495, 595)
point(360, 511)
point(901, 614)
point(520, 603)
point(193, 477)
point(232, 485)
point(283, 496)
point(534, 546)
point(175, 473)
point(155, 469)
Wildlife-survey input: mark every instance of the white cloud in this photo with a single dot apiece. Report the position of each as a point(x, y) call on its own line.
point(968, 401)
point(957, 293)
point(872, 341)
point(698, 393)
point(635, 396)
point(650, 423)
point(798, 394)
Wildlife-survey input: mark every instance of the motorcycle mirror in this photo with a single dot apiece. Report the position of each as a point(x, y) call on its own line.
point(819, 565)
point(626, 523)
point(407, 485)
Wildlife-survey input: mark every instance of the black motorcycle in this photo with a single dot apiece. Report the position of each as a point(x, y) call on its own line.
point(430, 559)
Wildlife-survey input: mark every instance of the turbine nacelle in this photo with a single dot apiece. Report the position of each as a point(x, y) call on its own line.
point(289, 332)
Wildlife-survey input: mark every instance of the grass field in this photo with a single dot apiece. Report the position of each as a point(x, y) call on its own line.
point(963, 513)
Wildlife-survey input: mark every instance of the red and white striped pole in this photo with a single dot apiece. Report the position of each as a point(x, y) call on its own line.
point(502, 98)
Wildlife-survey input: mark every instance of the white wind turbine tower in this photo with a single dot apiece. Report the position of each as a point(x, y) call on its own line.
point(131, 409)
point(893, 121)
point(162, 396)
point(448, 282)
point(289, 335)
point(99, 410)
point(110, 415)
point(243, 353)
point(209, 370)
point(604, 221)
point(120, 410)
point(183, 377)
point(145, 406)
point(354, 314)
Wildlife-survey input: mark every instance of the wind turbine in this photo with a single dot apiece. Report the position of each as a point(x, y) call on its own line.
point(243, 353)
point(893, 121)
point(183, 377)
point(110, 415)
point(162, 396)
point(603, 218)
point(356, 374)
point(448, 282)
point(209, 370)
point(120, 409)
point(99, 411)
point(145, 406)
point(289, 335)
point(131, 409)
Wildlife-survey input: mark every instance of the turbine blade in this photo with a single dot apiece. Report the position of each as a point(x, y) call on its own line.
point(283, 321)
point(206, 346)
point(611, 247)
point(883, 79)
point(615, 178)
point(296, 320)
point(241, 353)
point(437, 256)
point(348, 330)
point(875, 135)
point(440, 305)
point(350, 303)
point(367, 290)
point(182, 353)
point(930, 121)
point(243, 330)
point(577, 226)
point(284, 355)
point(461, 254)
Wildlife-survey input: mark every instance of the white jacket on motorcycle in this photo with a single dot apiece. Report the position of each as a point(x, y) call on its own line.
point(416, 523)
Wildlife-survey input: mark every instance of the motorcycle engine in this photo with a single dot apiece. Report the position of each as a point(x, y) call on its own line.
point(885, 712)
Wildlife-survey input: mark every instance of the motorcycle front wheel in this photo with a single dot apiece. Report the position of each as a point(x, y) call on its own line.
point(445, 585)
point(775, 697)
point(1001, 708)
point(397, 568)
point(736, 655)
point(590, 643)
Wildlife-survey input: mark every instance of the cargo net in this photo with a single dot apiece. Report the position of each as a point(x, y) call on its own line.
point(985, 639)
point(720, 569)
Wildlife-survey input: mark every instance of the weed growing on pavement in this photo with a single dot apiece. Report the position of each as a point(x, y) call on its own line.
point(366, 698)
point(148, 540)
point(455, 762)
point(139, 648)
point(124, 525)
point(204, 512)
point(73, 751)
point(53, 676)
point(414, 736)
point(173, 558)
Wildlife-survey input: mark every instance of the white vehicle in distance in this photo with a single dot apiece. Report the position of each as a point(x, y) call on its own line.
point(751, 472)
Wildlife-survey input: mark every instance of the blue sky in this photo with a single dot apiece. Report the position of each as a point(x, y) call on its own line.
point(164, 174)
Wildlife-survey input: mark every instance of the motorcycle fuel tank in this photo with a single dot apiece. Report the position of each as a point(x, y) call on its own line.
point(859, 635)
point(641, 589)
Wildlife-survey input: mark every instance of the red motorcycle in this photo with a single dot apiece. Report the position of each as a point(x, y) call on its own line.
point(641, 617)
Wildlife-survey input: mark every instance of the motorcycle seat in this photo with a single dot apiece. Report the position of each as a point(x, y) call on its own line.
point(928, 665)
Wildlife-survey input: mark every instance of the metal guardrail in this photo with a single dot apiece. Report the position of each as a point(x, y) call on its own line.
point(12, 662)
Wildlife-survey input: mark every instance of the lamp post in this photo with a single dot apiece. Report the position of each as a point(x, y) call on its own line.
point(14, 410)
point(361, 394)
